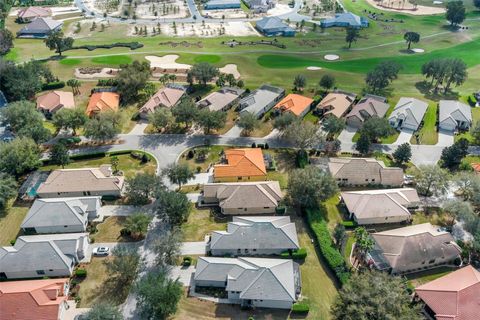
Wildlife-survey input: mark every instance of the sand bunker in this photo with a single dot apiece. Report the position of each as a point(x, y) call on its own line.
point(312, 68)
point(418, 50)
point(331, 57)
point(406, 7)
point(166, 62)
point(231, 68)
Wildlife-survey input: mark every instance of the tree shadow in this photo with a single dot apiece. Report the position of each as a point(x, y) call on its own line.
point(426, 89)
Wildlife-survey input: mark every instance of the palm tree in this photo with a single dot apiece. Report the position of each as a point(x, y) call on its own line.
point(172, 78)
point(74, 84)
point(363, 241)
point(164, 78)
point(137, 225)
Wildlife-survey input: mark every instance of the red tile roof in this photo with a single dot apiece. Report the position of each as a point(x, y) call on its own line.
point(294, 103)
point(32, 299)
point(241, 163)
point(103, 101)
point(455, 296)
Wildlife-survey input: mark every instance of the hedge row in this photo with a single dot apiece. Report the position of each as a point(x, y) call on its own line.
point(107, 82)
point(300, 307)
point(333, 257)
point(349, 224)
point(53, 85)
point(91, 47)
point(299, 254)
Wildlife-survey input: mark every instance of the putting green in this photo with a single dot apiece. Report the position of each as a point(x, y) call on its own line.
point(210, 58)
point(70, 62)
point(115, 60)
point(469, 52)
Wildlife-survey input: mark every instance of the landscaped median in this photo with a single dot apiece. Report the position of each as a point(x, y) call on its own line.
point(333, 257)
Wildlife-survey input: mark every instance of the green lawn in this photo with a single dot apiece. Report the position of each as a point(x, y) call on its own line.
point(334, 214)
point(213, 156)
point(127, 164)
point(10, 221)
point(419, 278)
point(70, 62)
point(109, 230)
point(428, 133)
point(112, 60)
point(210, 58)
point(348, 247)
point(199, 223)
point(387, 140)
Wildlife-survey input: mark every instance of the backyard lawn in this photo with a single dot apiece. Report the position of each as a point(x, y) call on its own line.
point(110, 230)
point(334, 214)
point(10, 221)
point(127, 164)
point(419, 278)
point(428, 133)
point(213, 156)
point(96, 287)
point(200, 222)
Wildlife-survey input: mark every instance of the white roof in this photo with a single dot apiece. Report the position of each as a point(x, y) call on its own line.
point(260, 98)
point(448, 107)
point(411, 108)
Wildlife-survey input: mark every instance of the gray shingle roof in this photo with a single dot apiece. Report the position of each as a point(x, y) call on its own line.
point(275, 232)
point(59, 212)
point(272, 23)
point(41, 25)
point(256, 278)
point(260, 98)
point(40, 252)
point(448, 107)
point(410, 107)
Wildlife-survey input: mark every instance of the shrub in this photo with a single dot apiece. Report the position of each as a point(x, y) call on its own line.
point(90, 47)
point(145, 158)
point(301, 159)
point(76, 140)
point(53, 85)
point(12, 242)
point(117, 153)
point(109, 197)
point(333, 257)
point(267, 146)
point(254, 145)
point(349, 224)
point(136, 155)
point(112, 82)
point(187, 261)
point(95, 155)
point(81, 273)
point(199, 169)
point(299, 254)
point(261, 146)
point(280, 210)
point(300, 307)
point(190, 154)
point(77, 299)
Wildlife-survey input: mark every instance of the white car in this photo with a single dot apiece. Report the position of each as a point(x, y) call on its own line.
point(101, 251)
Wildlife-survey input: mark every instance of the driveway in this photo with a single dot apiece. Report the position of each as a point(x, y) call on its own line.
point(193, 197)
point(183, 274)
point(193, 248)
point(405, 136)
point(445, 138)
point(139, 128)
point(201, 178)
point(347, 134)
point(111, 245)
point(109, 211)
point(236, 131)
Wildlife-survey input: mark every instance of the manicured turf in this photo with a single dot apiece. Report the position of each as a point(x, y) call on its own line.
point(70, 62)
point(469, 52)
point(199, 223)
point(10, 221)
point(428, 134)
point(210, 58)
point(112, 60)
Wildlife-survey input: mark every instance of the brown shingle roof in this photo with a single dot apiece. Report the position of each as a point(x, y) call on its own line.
point(55, 100)
point(336, 103)
point(368, 107)
point(34, 12)
point(166, 97)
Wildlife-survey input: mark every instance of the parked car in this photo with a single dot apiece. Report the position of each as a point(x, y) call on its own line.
point(101, 251)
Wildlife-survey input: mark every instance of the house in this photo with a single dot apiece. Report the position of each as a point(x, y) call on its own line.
point(408, 114)
point(52, 255)
point(243, 198)
point(261, 100)
point(222, 99)
point(380, 206)
point(453, 296)
point(222, 4)
point(102, 102)
point(274, 27)
point(346, 19)
point(164, 98)
point(336, 104)
point(3, 100)
point(40, 28)
point(251, 236)
point(296, 104)
point(81, 183)
point(365, 109)
point(34, 299)
point(50, 102)
point(259, 6)
point(241, 165)
point(251, 282)
point(364, 171)
point(412, 249)
point(31, 13)
point(454, 115)
point(61, 215)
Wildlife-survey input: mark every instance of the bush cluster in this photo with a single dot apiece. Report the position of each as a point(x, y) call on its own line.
point(333, 257)
point(300, 307)
point(299, 254)
point(81, 273)
point(112, 82)
point(91, 47)
point(53, 85)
